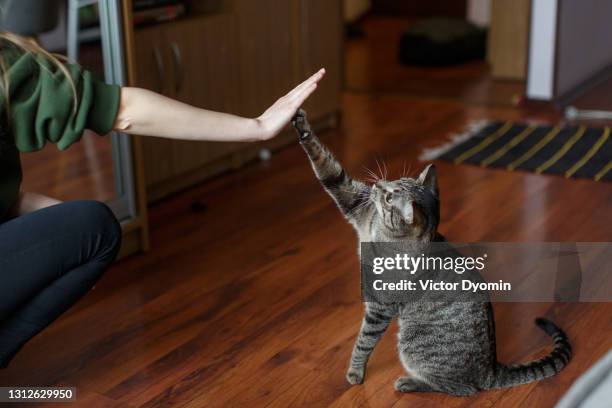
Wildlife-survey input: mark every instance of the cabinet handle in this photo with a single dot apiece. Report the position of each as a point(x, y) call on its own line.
point(178, 66)
point(159, 63)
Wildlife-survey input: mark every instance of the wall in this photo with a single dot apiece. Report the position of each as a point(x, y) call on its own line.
point(479, 12)
point(584, 44)
point(542, 45)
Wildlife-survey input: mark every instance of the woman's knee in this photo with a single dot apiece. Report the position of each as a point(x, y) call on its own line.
point(100, 214)
point(97, 218)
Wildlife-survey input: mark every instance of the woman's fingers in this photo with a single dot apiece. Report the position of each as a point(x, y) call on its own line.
point(316, 77)
point(281, 112)
point(303, 95)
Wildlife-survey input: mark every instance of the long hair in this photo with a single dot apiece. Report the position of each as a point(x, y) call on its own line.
point(29, 45)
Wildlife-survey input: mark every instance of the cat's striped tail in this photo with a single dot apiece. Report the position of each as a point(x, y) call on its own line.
point(509, 376)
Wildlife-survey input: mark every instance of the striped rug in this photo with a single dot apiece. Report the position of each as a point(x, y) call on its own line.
point(568, 151)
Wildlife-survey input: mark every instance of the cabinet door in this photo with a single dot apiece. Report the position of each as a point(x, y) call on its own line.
point(202, 53)
point(151, 73)
point(266, 33)
point(321, 45)
point(508, 38)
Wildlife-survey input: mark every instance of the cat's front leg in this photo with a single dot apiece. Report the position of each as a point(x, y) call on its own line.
point(374, 324)
point(350, 195)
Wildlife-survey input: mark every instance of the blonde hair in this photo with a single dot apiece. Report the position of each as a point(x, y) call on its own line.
point(29, 45)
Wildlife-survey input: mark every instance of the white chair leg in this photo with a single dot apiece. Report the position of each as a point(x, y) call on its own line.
point(73, 31)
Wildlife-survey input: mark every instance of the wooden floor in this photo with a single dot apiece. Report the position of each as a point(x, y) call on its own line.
point(84, 171)
point(250, 295)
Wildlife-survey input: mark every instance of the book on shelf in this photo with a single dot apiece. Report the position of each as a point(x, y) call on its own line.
point(138, 5)
point(159, 14)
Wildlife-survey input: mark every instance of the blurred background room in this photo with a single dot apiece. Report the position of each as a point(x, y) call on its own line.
point(239, 283)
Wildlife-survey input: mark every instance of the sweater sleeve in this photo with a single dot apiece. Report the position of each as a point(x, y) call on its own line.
point(42, 104)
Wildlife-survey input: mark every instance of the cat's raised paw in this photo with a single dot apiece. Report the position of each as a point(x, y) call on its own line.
point(301, 125)
point(355, 375)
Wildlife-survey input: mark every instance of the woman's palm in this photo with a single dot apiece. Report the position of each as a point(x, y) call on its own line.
point(277, 116)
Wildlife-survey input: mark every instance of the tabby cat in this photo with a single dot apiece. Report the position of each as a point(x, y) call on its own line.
point(445, 347)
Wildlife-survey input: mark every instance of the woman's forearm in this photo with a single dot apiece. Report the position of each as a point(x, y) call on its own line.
point(144, 112)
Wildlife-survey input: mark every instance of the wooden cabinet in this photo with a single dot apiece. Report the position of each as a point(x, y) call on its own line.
point(239, 60)
point(508, 38)
point(321, 43)
point(151, 74)
point(205, 74)
point(266, 37)
point(180, 61)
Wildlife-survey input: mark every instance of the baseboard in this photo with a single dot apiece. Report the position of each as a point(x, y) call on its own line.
point(570, 96)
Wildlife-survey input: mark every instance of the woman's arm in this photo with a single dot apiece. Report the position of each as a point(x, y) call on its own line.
point(144, 112)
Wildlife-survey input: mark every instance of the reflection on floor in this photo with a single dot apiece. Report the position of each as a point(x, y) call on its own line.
point(84, 171)
point(597, 98)
point(251, 297)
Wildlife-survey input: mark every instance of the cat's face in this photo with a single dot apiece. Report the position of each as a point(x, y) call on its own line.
point(408, 207)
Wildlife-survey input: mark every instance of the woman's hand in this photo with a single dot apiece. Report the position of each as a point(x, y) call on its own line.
point(277, 116)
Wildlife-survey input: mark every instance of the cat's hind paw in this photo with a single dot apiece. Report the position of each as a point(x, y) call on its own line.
point(355, 375)
point(411, 384)
point(301, 125)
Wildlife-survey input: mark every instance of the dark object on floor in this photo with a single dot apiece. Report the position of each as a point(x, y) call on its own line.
point(581, 152)
point(198, 206)
point(442, 41)
point(353, 30)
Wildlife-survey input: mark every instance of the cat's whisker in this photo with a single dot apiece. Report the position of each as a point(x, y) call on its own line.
point(369, 171)
point(366, 201)
point(371, 180)
point(360, 207)
point(346, 189)
point(382, 176)
point(385, 168)
point(372, 177)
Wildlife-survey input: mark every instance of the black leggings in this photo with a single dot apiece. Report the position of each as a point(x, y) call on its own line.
point(49, 259)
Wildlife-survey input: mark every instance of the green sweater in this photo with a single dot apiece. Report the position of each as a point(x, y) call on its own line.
point(41, 110)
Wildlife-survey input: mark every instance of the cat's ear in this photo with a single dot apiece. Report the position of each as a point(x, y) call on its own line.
point(429, 179)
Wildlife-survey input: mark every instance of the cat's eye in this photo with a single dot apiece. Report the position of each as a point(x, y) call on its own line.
point(388, 198)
